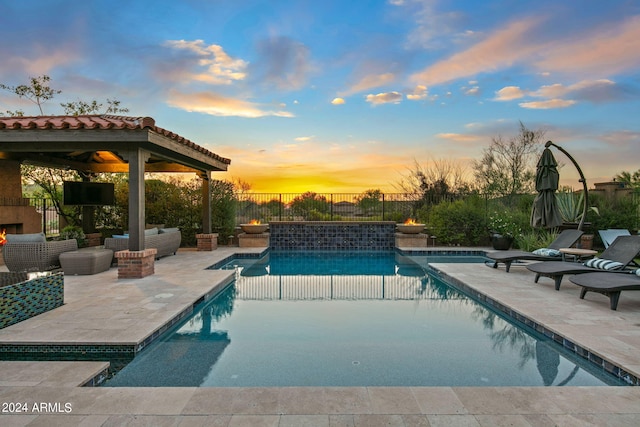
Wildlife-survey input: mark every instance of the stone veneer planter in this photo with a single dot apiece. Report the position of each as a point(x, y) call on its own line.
point(25, 295)
point(332, 235)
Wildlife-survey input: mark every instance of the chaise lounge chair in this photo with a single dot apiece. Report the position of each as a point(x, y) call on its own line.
point(609, 284)
point(609, 235)
point(565, 239)
point(617, 256)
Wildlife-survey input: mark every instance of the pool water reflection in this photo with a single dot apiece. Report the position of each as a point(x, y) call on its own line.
point(369, 319)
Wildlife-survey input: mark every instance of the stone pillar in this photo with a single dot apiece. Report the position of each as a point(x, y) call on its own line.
point(207, 241)
point(411, 240)
point(253, 240)
point(136, 264)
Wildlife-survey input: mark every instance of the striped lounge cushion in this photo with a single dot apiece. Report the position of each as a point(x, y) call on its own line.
point(604, 264)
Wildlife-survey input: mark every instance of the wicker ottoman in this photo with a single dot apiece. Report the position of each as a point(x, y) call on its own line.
point(86, 262)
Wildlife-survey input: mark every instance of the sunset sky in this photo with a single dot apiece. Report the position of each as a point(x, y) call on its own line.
point(344, 96)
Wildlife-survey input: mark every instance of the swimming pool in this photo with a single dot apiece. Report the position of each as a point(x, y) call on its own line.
point(363, 319)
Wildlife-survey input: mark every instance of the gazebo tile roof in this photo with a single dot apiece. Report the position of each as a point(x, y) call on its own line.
point(100, 122)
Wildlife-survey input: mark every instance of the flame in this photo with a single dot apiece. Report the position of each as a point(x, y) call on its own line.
point(254, 222)
point(410, 222)
point(3, 237)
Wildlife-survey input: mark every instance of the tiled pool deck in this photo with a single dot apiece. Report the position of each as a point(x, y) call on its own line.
point(102, 310)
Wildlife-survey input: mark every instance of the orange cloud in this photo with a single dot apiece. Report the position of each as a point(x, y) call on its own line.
point(384, 98)
point(509, 93)
point(219, 67)
point(548, 104)
point(369, 82)
point(420, 92)
point(218, 105)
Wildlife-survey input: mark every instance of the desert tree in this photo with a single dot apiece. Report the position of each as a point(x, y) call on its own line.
point(38, 91)
point(507, 166)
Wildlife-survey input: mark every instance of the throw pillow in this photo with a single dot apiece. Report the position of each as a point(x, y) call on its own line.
point(547, 252)
point(26, 238)
point(604, 264)
point(151, 232)
point(168, 230)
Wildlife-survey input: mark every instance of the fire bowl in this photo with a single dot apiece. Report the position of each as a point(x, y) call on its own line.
point(254, 228)
point(410, 228)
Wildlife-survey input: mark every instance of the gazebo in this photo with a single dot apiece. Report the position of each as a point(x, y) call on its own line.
point(105, 143)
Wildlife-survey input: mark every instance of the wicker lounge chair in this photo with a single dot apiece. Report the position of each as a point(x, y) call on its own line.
point(609, 284)
point(36, 256)
point(565, 239)
point(623, 250)
point(609, 235)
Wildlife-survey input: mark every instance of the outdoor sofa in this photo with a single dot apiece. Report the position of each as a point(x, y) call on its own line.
point(609, 284)
point(32, 252)
point(616, 257)
point(165, 240)
point(566, 239)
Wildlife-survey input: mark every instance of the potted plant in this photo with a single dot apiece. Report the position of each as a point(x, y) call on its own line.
point(503, 229)
point(73, 232)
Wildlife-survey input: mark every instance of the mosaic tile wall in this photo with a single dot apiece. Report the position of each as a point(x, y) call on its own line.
point(29, 298)
point(332, 236)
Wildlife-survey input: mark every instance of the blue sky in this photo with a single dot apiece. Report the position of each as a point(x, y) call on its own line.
point(345, 96)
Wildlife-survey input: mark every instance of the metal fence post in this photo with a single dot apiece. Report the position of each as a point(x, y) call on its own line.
point(383, 206)
point(44, 217)
point(331, 206)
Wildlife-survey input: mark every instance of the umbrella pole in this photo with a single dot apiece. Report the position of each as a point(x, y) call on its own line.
point(582, 180)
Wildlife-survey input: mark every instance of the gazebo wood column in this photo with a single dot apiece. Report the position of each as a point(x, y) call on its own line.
point(136, 262)
point(206, 202)
point(136, 159)
point(207, 241)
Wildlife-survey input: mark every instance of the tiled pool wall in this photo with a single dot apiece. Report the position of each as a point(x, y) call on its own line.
point(24, 298)
point(332, 235)
point(517, 317)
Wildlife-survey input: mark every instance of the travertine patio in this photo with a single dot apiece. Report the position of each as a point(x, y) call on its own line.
point(103, 309)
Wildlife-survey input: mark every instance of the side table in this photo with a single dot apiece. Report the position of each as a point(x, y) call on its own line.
point(577, 254)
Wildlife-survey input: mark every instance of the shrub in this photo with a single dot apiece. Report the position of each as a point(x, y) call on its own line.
point(618, 213)
point(73, 232)
point(461, 222)
point(534, 239)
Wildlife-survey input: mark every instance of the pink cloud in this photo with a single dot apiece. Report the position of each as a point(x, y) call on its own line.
point(603, 51)
point(501, 49)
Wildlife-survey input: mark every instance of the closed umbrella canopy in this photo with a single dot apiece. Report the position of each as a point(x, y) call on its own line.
point(545, 212)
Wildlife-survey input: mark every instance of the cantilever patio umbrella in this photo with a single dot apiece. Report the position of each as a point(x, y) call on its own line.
point(545, 212)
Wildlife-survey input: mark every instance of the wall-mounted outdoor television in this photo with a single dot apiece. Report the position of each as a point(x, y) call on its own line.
point(88, 193)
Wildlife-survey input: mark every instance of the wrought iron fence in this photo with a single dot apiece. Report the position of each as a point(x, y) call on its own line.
point(267, 207)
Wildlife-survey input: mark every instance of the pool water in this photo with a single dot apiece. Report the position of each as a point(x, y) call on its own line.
point(369, 319)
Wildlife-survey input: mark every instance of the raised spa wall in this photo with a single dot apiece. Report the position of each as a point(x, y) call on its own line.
point(22, 297)
point(332, 235)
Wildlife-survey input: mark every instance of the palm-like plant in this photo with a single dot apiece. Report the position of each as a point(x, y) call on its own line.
point(570, 205)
